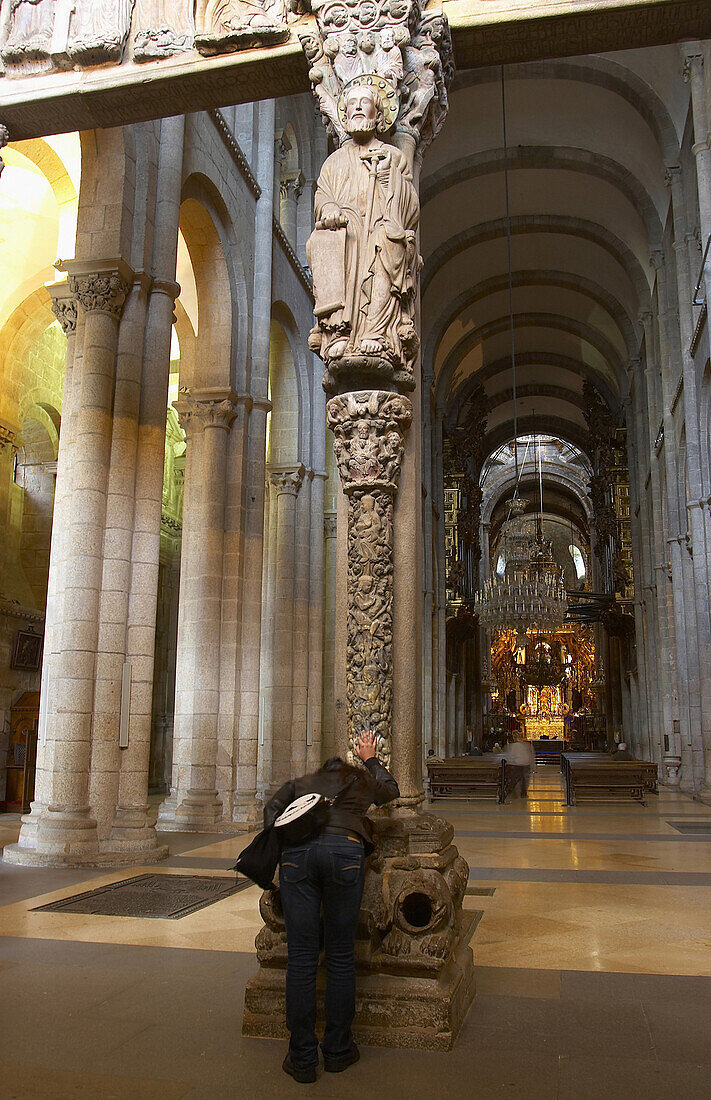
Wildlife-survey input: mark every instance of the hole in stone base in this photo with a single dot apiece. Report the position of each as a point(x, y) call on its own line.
point(417, 909)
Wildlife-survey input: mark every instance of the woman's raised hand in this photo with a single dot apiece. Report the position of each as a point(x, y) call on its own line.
point(365, 745)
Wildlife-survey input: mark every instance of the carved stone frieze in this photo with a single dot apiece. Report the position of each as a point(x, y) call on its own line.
point(28, 45)
point(369, 428)
point(222, 26)
point(99, 293)
point(162, 28)
point(363, 255)
point(98, 31)
point(395, 40)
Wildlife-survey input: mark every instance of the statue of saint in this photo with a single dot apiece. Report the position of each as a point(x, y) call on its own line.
point(363, 252)
point(27, 49)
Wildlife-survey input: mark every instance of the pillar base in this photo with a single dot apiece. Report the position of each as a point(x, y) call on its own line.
point(248, 811)
point(191, 812)
point(107, 856)
point(415, 967)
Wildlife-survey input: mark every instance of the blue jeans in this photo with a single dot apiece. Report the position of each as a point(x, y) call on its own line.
point(330, 871)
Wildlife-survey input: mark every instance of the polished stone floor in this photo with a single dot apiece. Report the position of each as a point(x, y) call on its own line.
point(593, 956)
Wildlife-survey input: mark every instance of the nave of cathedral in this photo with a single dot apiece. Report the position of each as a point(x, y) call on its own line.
point(386, 407)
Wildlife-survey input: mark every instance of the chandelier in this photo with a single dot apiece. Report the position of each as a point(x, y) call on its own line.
point(531, 593)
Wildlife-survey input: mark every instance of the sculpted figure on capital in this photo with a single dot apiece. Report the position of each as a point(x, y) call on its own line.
point(363, 252)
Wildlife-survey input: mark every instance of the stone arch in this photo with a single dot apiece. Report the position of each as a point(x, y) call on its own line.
point(282, 314)
point(18, 336)
point(106, 194)
point(34, 476)
point(216, 258)
point(213, 341)
point(283, 443)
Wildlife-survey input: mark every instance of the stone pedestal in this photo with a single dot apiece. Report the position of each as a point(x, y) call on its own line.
point(415, 967)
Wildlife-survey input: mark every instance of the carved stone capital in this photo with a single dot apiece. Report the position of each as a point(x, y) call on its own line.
point(329, 525)
point(64, 308)
point(287, 479)
point(406, 52)
point(369, 428)
point(291, 185)
point(100, 292)
point(197, 412)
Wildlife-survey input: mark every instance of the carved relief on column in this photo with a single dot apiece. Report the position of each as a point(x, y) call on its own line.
point(4, 139)
point(222, 26)
point(163, 28)
point(369, 428)
point(100, 292)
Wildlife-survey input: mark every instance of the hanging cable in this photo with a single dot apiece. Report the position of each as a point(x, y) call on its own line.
point(510, 273)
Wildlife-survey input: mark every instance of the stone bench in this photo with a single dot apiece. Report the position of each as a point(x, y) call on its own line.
point(467, 777)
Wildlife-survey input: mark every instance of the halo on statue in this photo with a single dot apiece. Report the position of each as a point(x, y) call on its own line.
point(388, 96)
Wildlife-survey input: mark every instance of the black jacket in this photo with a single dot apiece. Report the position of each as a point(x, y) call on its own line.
point(373, 785)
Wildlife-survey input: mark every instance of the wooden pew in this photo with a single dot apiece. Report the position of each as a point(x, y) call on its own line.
point(601, 780)
point(467, 777)
point(648, 771)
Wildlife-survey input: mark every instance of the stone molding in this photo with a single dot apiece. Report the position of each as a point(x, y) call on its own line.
point(235, 151)
point(7, 436)
point(286, 479)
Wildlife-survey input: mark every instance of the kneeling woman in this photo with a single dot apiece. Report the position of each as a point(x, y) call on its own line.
point(327, 870)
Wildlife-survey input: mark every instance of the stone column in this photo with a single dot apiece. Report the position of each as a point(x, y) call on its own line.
point(249, 778)
point(207, 416)
point(66, 831)
point(290, 188)
point(368, 340)
point(329, 635)
point(314, 716)
point(132, 827)
point(286, 482)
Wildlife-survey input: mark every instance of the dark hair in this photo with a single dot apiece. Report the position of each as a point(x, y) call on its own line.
point(338, 764)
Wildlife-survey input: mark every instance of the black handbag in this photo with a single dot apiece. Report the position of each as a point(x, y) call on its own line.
point(306, 816)
point(259, 859)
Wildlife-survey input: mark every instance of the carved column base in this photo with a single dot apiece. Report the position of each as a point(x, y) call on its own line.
point(191, 811)
point(248, 810)
point(415, 967)
point(53, 838)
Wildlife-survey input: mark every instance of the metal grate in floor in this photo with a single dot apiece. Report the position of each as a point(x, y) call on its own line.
point(480, 891)
point(691, 826)
point(162, 896)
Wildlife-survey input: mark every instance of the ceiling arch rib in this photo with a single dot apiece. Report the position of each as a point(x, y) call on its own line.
point(547, 158)
point(540, 224)
point(609, 73)
point(549, 362)
point(446, 383)
point(562, 280)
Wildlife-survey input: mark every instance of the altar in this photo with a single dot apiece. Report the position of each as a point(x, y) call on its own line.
point(546, 729)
